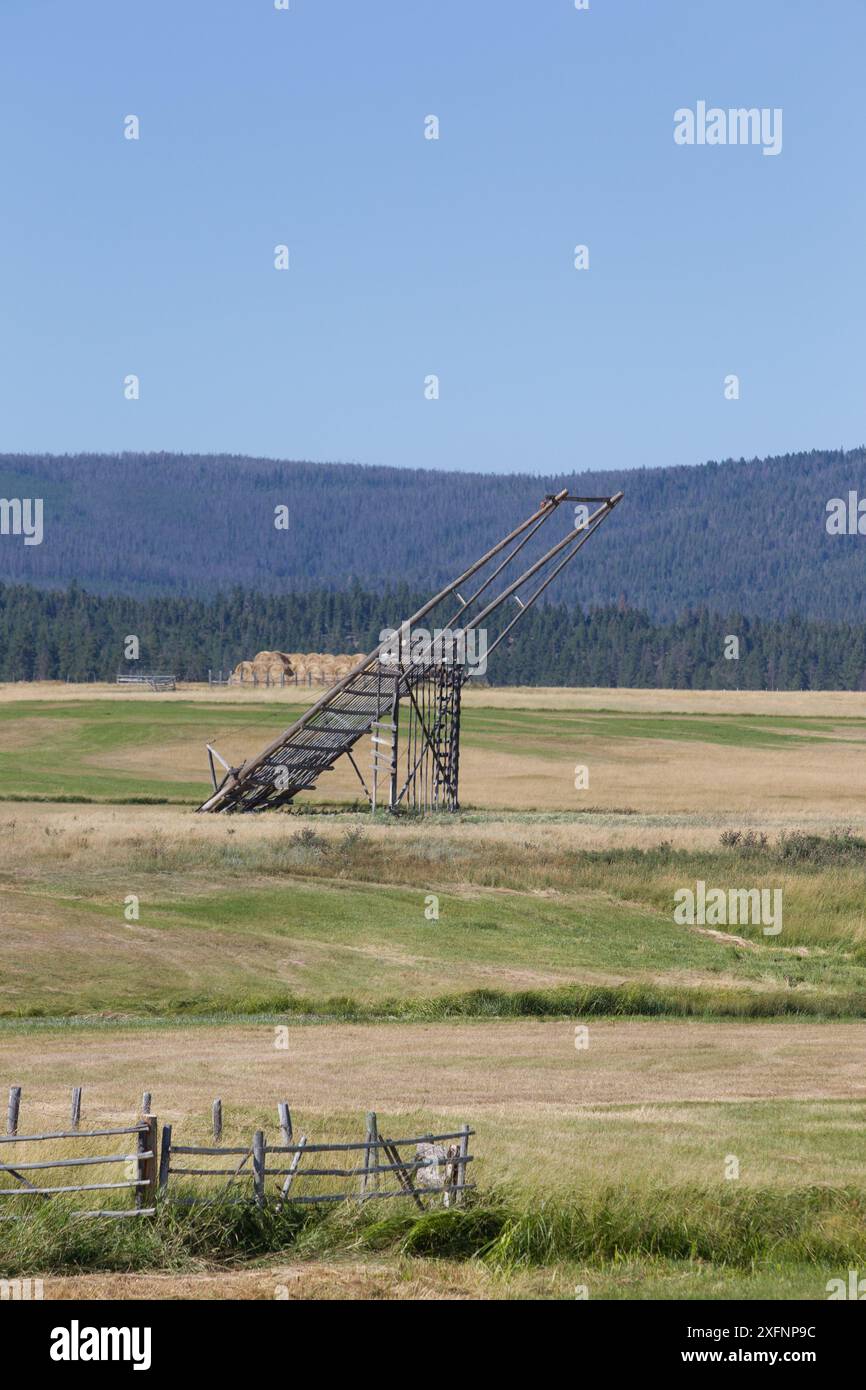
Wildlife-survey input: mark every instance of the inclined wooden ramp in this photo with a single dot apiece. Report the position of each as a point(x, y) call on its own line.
point(346, 713)
point(370, 694)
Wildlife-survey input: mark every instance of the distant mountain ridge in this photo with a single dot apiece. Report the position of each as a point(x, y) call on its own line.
point(746, 536)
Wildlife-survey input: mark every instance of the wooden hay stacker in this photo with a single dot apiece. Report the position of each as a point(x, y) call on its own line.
point(416, 766)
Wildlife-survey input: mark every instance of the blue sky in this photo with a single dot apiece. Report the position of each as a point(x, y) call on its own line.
point(411, 257)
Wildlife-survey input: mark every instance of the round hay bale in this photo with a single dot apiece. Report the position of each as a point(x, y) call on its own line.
point(264, 666)
point(300, 667)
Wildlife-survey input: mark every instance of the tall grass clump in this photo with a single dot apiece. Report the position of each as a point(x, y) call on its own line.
point(738, 1227)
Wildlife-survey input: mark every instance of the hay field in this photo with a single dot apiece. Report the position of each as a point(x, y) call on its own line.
point(653, 1109)
point(844, 703)
point(691, 754)
point(554, 912)
point(341, 915)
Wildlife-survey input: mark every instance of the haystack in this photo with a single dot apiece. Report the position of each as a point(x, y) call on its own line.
point(301, 666)
point(321, 666)
point(264, 665)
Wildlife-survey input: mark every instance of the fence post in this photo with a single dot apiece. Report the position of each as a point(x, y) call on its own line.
point(217, 1119)
point(14, 1107)
point(75, 1114)
point(259, 1167)
point(371, 1154)
point(464, 1152)
point(146, 1164)
point(164, 1157)
point(285, 1121)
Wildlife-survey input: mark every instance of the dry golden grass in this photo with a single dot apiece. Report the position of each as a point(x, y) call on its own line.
point(378, 1280)
point(383, 1279)
point(796, 703)
point(196, 691)
point(497, 1068)
point(670, 778)
point(812, 703)
point(72, 835)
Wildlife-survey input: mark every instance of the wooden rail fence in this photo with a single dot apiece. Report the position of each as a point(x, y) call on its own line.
point(154, 680)
point(437, 1168)
point(291, 1172)
point(141, 1163)
point(305, 682)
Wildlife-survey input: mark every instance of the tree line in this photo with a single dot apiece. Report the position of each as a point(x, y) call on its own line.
point(75, 635)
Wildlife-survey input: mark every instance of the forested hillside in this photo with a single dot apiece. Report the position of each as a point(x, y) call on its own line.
point(74, 635)
point(746, 536)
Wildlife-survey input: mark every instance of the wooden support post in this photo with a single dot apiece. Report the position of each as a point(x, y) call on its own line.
point(403, 1176)
point(259, 1167)
point(14, 1107)
point(285, 1121)
point(145, 1103)
point(293, 1168)
point(146, 1165)
point(164, 1157)
point(371, 1154)
point(395, 720)
point(460, 1194)
point(75, 1114)
point(217, 1119)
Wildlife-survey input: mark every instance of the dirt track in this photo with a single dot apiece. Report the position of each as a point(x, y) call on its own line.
point(300, 1281)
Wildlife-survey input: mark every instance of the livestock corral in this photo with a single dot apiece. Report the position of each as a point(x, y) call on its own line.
point(660, 1107)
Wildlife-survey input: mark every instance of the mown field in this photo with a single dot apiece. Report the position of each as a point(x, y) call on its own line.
point(646, 752)
point(436, 970)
